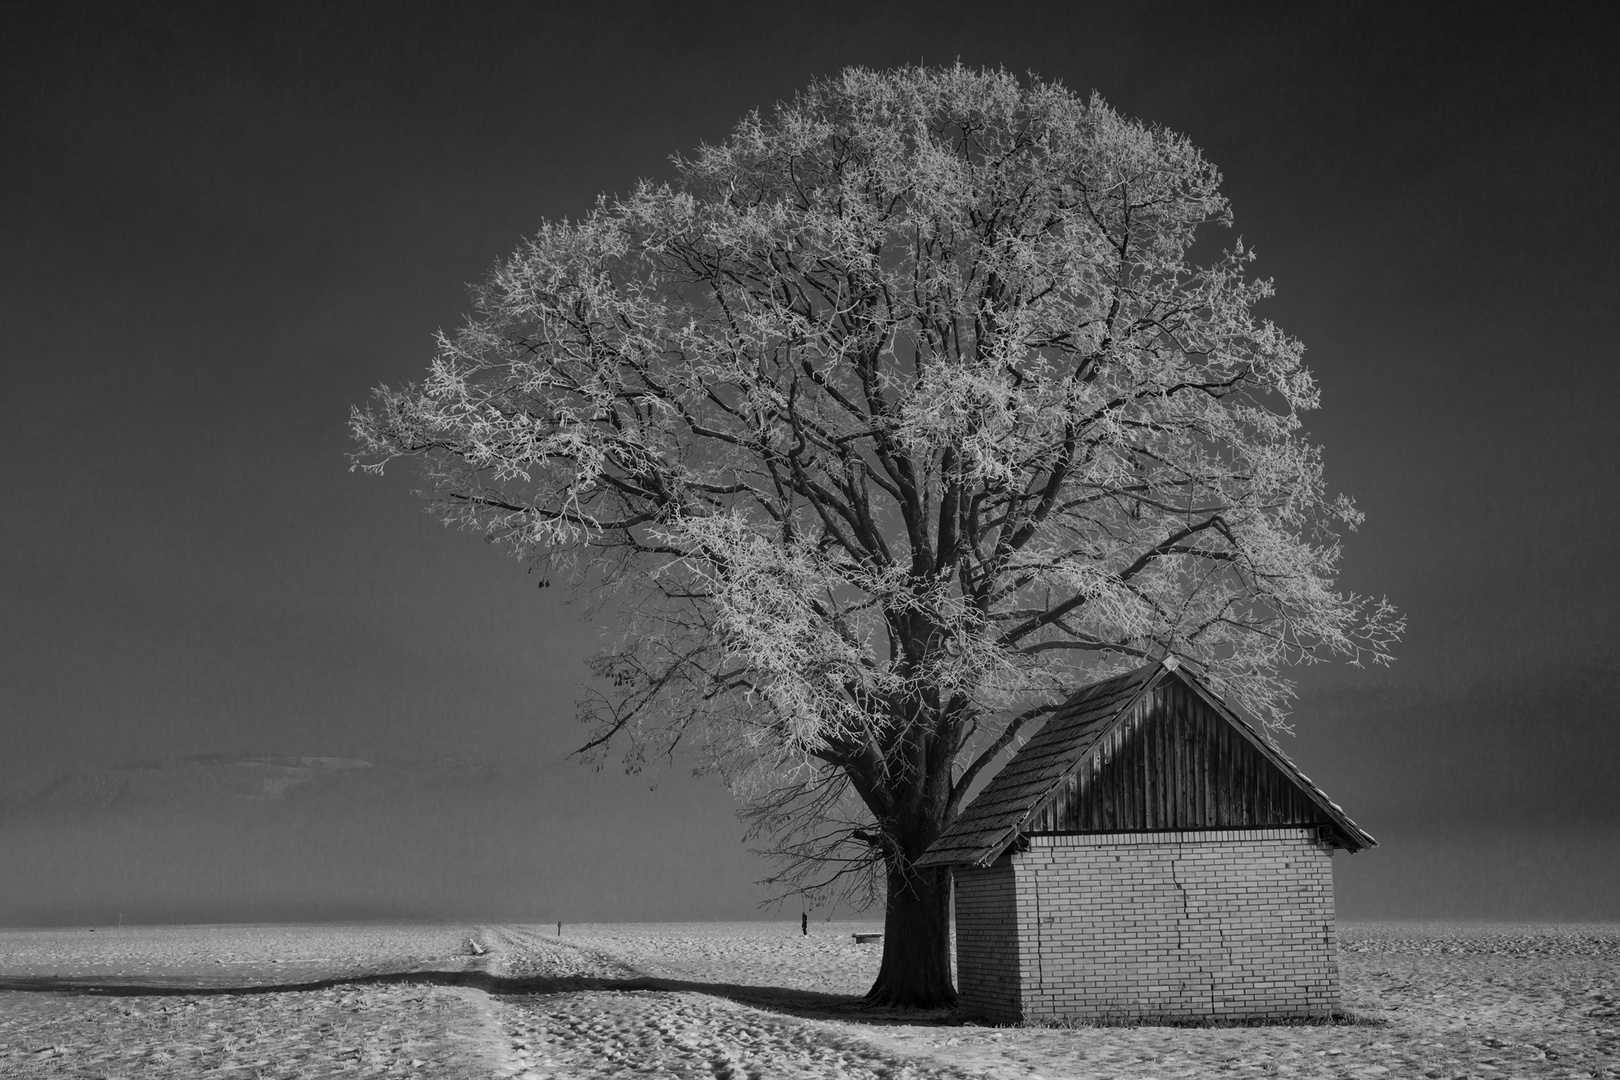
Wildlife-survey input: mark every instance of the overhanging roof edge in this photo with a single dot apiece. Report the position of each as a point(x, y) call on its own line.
point(994, 851)
point(1282, 761)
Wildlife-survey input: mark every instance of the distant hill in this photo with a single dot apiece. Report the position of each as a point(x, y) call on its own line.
point(244, 781)
point(259, 837)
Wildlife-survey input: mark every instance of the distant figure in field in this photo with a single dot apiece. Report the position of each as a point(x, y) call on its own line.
point(804, 923)
point(559, 928)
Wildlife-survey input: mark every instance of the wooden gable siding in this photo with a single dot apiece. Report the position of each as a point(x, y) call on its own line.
point(1174, 763)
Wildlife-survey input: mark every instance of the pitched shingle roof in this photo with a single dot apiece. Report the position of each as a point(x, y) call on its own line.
point(996, 818)
point(993, 819)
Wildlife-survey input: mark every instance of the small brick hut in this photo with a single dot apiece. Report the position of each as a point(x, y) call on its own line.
point(1149, 854)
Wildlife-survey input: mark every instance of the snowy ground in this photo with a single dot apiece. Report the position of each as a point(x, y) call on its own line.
point(736, 1000)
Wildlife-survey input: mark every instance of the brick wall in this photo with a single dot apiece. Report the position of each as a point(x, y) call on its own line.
point(1193, 925)
point(1177, 925)
point(987, 941)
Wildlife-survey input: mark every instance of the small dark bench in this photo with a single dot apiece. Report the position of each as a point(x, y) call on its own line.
point(866, 939)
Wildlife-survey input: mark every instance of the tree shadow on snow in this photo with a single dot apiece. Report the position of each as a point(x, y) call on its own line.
point(806, 1004)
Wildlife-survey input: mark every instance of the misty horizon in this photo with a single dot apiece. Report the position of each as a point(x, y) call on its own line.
point(178, 839)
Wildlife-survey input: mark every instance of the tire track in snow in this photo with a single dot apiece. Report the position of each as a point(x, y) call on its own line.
point(654, 1033)
point(595, 1032)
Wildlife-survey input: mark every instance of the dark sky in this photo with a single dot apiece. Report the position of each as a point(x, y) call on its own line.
point(221, 225)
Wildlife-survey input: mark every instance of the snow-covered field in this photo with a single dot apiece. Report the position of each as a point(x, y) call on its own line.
point(735, 1000)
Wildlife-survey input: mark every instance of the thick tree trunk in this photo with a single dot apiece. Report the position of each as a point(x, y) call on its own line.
point(916, 941)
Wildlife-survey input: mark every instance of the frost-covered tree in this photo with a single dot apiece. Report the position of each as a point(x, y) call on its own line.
point(895, 416)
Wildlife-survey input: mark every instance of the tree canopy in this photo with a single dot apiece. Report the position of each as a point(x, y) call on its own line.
point(884, 424)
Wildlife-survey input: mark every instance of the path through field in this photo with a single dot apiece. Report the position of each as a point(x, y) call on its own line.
point(739, 1000)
